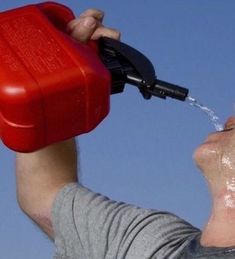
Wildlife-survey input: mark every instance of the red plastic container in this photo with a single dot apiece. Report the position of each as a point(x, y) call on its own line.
point(51, 87)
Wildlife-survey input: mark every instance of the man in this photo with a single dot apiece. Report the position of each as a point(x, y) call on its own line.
point(85, 225)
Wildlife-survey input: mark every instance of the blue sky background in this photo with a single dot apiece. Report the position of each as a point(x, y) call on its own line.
point(142, 152)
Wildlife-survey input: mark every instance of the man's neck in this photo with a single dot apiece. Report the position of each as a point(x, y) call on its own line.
point(220, 229)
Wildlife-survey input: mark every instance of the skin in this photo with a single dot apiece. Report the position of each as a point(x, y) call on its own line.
point(216, 159)
point(40, 175)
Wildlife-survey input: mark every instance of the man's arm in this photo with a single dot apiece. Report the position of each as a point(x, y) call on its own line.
point(40, 175)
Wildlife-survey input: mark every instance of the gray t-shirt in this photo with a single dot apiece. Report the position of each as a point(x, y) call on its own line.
point(90, 226)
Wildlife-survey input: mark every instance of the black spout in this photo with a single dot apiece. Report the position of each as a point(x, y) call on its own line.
point(128, 65)
point(165, 89)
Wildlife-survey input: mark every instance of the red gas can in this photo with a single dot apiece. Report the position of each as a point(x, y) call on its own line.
point(51, 87)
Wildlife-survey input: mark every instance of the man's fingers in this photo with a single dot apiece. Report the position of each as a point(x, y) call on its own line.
point(106, 32)
point(97, 14)
point(89, 26)
point(94, 13)
point(83, 28)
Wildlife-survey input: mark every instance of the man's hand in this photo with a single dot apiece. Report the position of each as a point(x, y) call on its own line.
point(40, 175)
point(89, 27)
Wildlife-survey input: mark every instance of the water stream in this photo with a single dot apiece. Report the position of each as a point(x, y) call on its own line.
point(210, 113)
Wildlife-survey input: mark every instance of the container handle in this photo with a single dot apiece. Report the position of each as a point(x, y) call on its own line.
point(60, 15)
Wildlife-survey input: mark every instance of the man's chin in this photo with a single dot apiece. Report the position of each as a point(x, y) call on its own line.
point(205, 155)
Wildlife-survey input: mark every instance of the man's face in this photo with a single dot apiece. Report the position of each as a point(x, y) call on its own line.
point(216, 156)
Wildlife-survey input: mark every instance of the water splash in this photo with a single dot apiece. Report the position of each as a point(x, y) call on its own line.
point(210, 113)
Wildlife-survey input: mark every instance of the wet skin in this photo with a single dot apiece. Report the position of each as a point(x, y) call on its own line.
point(216, 159)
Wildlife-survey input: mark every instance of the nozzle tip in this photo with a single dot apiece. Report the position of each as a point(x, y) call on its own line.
point(170, 90)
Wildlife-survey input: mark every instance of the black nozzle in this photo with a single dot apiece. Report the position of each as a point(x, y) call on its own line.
point(128, 65)
point(160, 88)
point(164, 89)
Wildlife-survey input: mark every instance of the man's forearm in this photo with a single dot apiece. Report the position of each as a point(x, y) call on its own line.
point(40, 175)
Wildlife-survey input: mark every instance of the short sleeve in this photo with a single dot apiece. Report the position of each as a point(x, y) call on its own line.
point(88, 225)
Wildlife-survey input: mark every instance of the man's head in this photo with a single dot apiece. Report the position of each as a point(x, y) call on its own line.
point(216, 157)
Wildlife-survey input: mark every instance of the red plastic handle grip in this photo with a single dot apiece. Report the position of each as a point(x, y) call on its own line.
point(60, 15)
